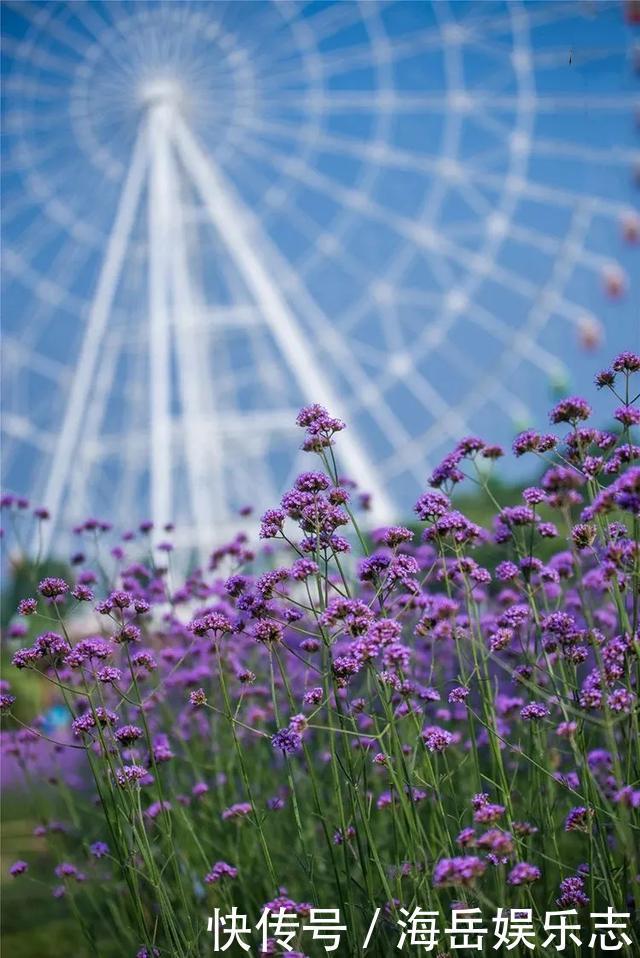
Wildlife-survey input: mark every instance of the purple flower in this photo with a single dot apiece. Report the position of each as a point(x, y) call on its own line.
point(144, 661)
point(271, 523)
point(156, 808)
point(108, 675)
point(239, 810)
point(531, 441)
point(606, 377)
point(627, 796)
point(18, 868)
point(507, 571)
point(523, 874)
point(82, 593)
point(271, 633)
point(287, 740)
point(320, 427)
point(485, 811)
point(127, 734)
point(197, 698)
point(246, 676)
point(458, 695)
point(130, 775)
point(313, 696)
point(27, 606)
point(626, 362)
point(436, 739)
point(312, 482)
point(496, 841)
point(534, 712)
point(627, 415)
point(213, 622)
point(572, 894)
point(340, 837)
point(447, 470)
point(470, 445)
point(461, 870)
point(52, 587)
point(219, 871)
point(567, 729)
point(128, 633)
point(395, 536)
point(621, 701)
point(584, 535)
point(99, 849)
point(578, 819)
point(533, 496)
point(161, 749)
point(89, 720)
point(303, 568)
point(432, 505)
point(572, 410)
point(466, 838)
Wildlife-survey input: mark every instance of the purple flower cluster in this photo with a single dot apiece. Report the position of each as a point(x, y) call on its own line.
point(342, 706)
point(219, 871)
point(461, 870)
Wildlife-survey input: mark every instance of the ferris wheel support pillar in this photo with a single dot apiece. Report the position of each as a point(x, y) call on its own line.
point(159, 122)
point(64, 457)
point(243, 238)
point(202, 445)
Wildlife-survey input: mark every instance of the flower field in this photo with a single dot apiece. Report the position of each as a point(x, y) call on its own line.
point(357, 743)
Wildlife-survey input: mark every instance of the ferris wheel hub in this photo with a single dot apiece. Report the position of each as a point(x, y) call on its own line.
point(162, 91)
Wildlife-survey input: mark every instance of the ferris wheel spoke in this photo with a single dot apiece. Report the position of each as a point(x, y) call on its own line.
point(326, 23)
point(40, 90)
point(334, 246)
point(34, 57)
point(36, 15)
point(577, 151)
point(388, 423)
point(227, 215)
point(17, 353)
point(546, 362)
point(46, 289)
point(531, 189)
point(537, 318)
point(67, 266)
point(487, 24)
point(95, 25)
point(416, 232)
point(328, 245)
point(387, 100)
point(335, 63)
point(377, 150)
point(488, 321)
point(518, 410)
point(94, 420)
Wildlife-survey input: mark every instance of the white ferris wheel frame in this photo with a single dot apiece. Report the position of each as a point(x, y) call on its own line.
point(166, 149)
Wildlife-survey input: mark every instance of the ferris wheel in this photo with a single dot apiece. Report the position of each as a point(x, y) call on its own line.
point(216, 212)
